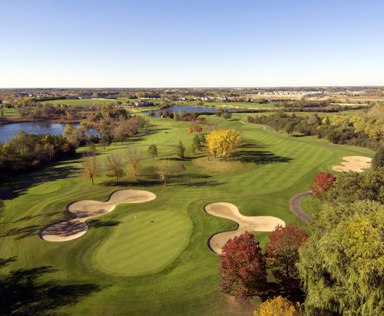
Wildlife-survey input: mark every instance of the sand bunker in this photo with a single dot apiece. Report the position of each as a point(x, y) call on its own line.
point(246, 223)
point(86, 209)
point(353, 163)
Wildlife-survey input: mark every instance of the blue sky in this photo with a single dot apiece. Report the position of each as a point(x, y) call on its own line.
point(168, 43)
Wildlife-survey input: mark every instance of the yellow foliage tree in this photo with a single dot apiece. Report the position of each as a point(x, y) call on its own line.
point(279, 306)
point(221, 143)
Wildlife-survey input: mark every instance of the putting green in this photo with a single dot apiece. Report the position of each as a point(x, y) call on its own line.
point(145, 243)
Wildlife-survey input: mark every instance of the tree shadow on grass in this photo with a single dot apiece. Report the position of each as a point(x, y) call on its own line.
point(138, 183)
point(258, 157)
point(97, 223)
point(23, 232)
point(13, 188)
point(22, 293)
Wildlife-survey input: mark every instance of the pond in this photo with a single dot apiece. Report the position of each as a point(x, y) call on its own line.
point(7, 131)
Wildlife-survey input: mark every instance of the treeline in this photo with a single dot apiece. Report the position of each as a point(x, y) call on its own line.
point(344, 255)
point(345, 130)
point(26, 152)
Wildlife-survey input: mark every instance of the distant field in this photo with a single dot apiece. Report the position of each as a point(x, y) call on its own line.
point(82, 101)
point(158, 263)
point(10, 112)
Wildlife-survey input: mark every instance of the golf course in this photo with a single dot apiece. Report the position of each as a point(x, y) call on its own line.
point(139, 247)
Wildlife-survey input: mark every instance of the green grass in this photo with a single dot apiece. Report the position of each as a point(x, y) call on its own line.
point(310, 205)
point(81, 102)
point(10, 112)
point(146, 242)
point(165, 267)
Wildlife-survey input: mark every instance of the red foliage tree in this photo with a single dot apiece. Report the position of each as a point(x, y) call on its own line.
point(242, 267)
point(282, 253)
point(322, 182)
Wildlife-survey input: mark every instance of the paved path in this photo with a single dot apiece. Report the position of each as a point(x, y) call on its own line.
point(296, 207)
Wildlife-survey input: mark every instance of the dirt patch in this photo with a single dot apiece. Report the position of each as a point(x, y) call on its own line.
point(245, 223)
point(86, 209)
point(353, 163)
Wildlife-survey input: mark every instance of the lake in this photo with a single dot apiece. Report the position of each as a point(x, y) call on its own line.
point(7, 131)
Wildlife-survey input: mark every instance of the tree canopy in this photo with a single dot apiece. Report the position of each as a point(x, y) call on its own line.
point(242, 266)
point(282, 251)
point(221, 143)
point(341, 265)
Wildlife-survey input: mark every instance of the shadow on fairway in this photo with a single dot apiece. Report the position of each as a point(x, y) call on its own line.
point(22, 293)
point(97, 223)
point(258, 157)
point(13, 189)
point(137, 183)
point(23, 232)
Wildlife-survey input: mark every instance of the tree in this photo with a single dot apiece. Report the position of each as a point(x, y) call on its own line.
point(152, 151)
point(322, 182)
point(180, 150)
point(242, 267)
point(91, 168)
point(378, 159)
point(134, 157)
point(278, 306)
point(221, 143)
point(341, 264)
point(352, 186)
point(282, 252)
point(164, 171)
point(114, 166)
point(105, 140)
point(198, 142)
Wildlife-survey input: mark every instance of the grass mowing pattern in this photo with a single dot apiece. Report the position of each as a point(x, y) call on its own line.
point(145, 243)
point(258, 181)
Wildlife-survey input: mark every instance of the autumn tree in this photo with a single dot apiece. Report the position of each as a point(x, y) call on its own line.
point(134, 158)
point(180, 150)
point(352, 186)
point(91, 168)
point(278, 306)
point(164, 171)
point(322, 182)
point(221, 143)
point(152, 151)
point(242, 267)
point(115, 166)
point(341, 264)
point(378, 159)
point(282, 252)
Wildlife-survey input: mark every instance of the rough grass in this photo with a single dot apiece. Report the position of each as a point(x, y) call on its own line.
point(165, 267)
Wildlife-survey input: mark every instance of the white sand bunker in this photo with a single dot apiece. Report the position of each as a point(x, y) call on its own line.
point(85, 209)
point(246, 223)
point(353, 163)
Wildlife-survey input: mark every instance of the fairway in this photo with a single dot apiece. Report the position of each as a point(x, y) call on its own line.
point(144, 243)
point(153, 258)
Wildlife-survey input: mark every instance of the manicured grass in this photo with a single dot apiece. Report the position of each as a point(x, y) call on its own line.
point(146, 242)
point(310, 205)
point(123, 266)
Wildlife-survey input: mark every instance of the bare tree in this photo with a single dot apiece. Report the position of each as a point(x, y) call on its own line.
point(114, 166)
point(134, 157)
point(164, 170)
point(91, 168)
